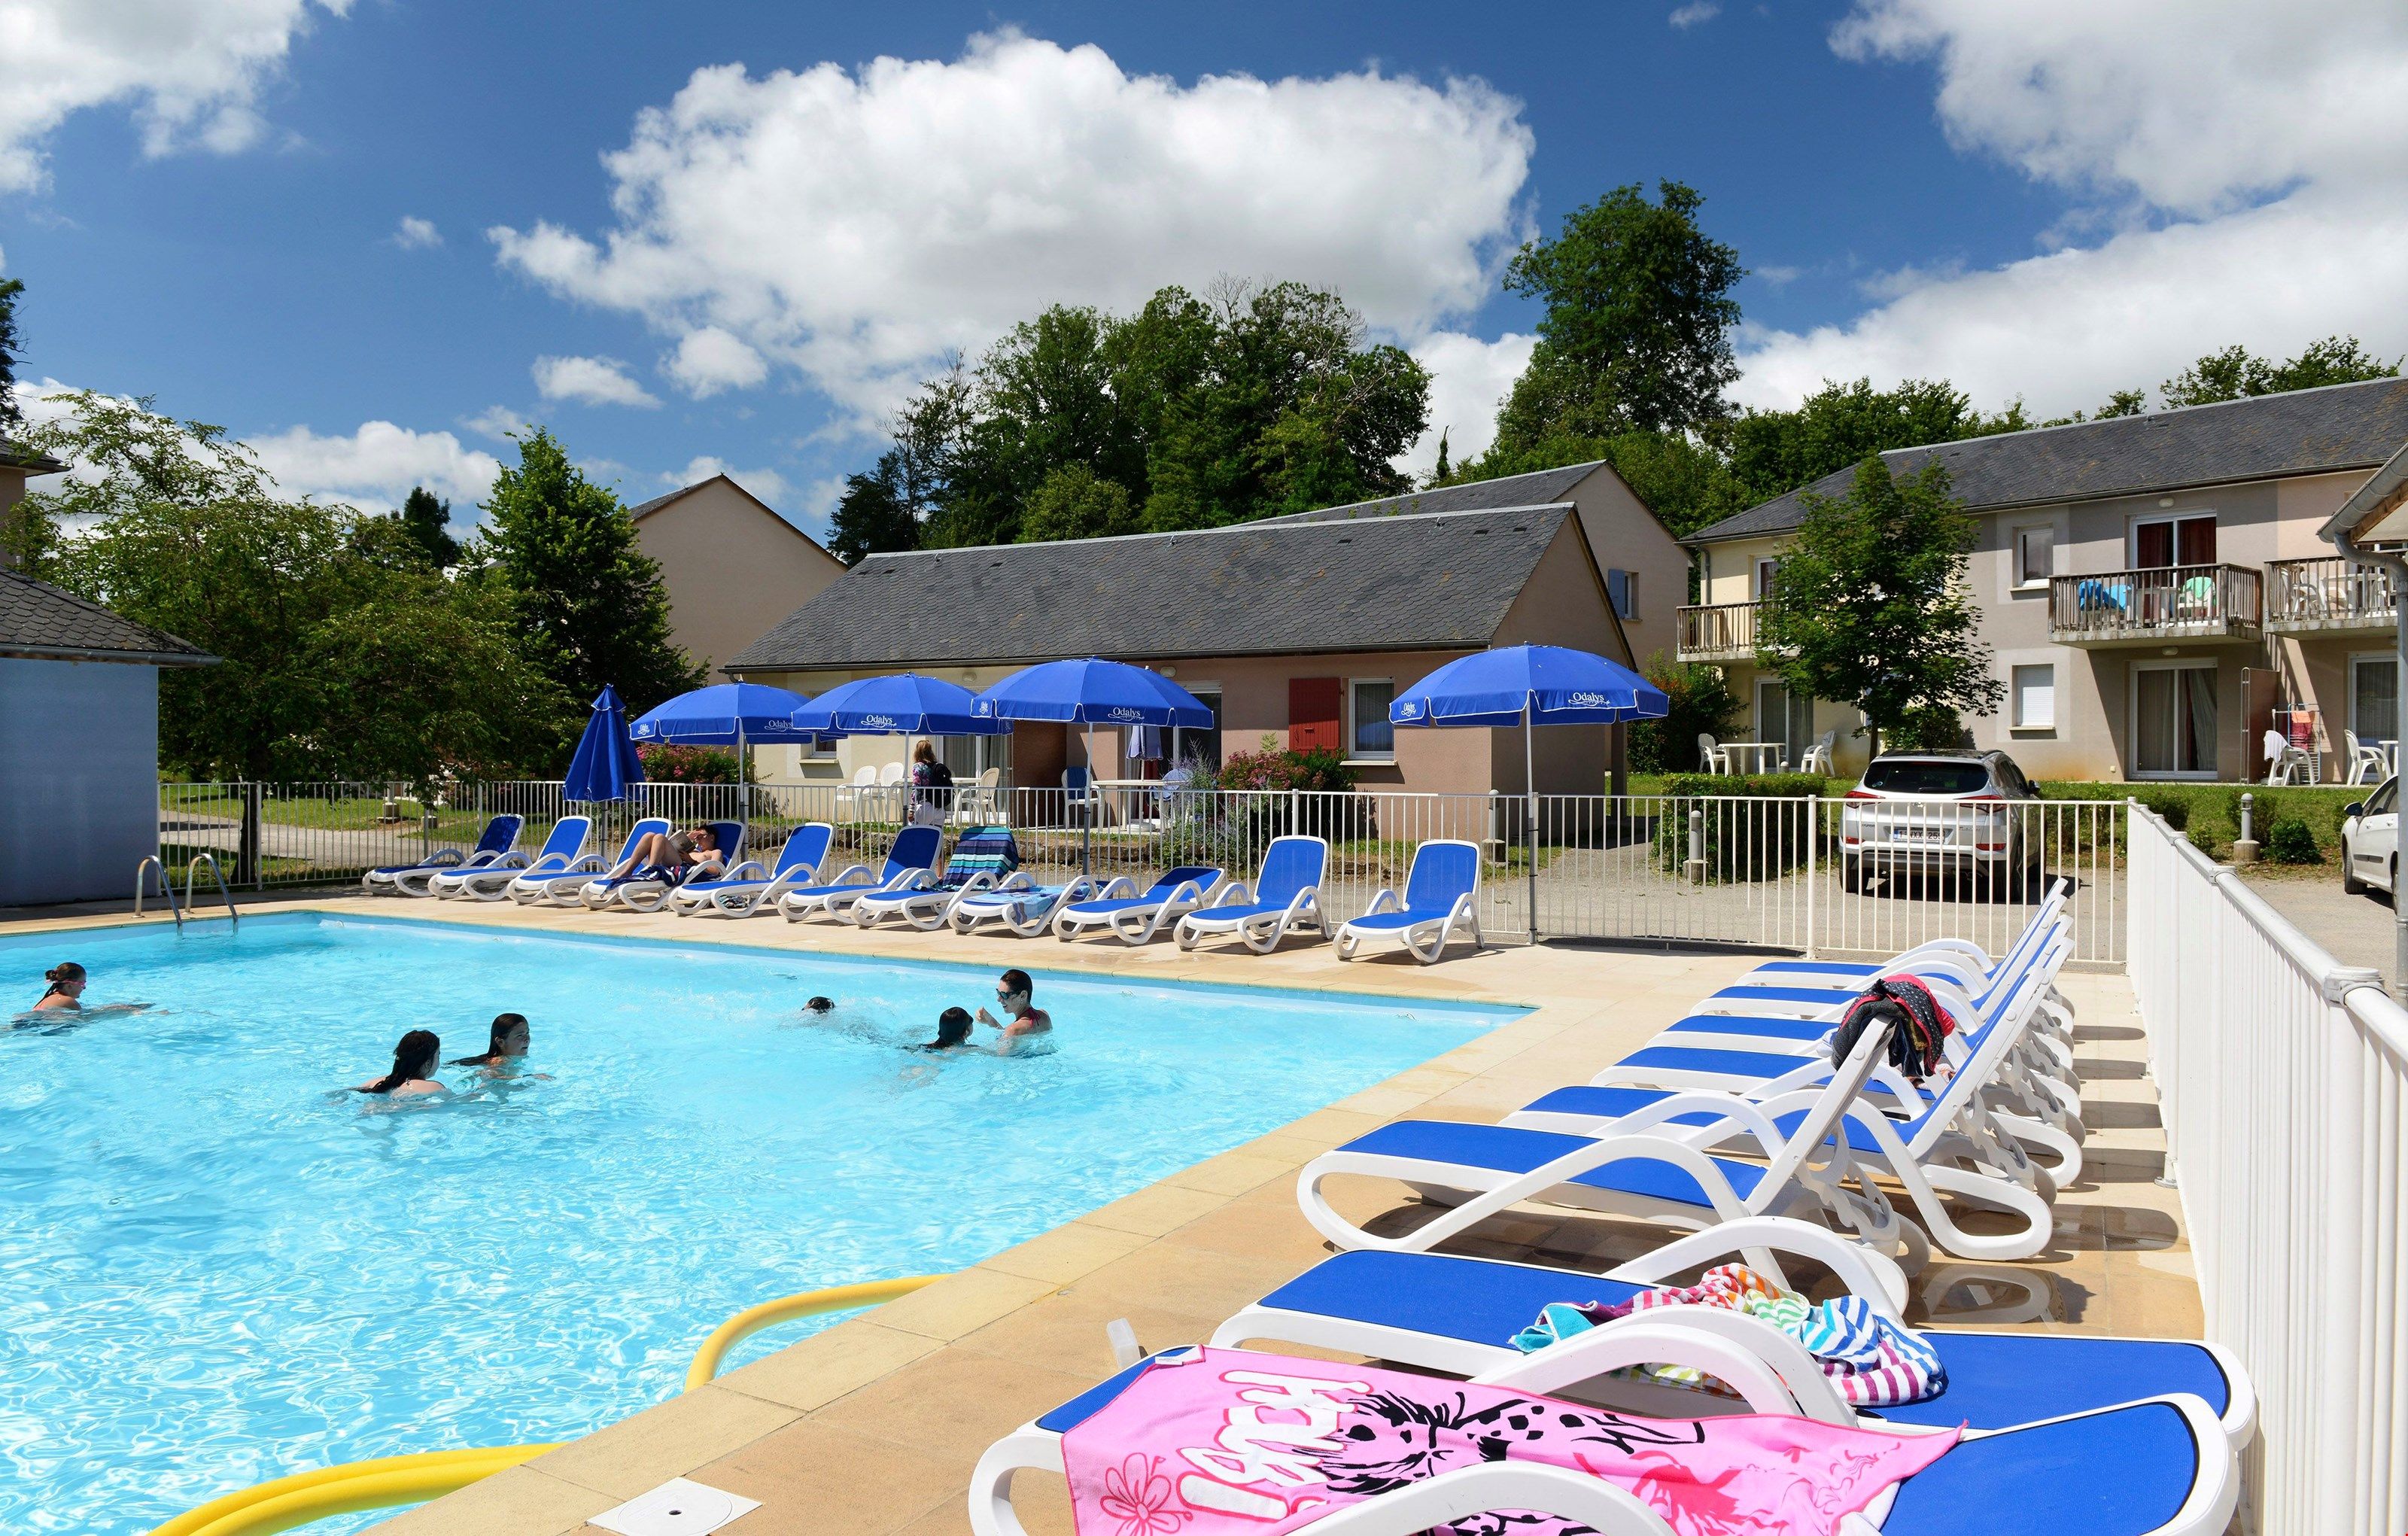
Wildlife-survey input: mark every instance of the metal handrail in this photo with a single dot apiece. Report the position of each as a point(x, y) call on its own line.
point(167, 888)
point(205, 856)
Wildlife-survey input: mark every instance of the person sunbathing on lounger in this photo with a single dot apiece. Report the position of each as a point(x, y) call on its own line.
point(691, 854)
point(1031, 1029)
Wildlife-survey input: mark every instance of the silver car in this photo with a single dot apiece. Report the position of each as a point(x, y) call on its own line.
point(1949, 812)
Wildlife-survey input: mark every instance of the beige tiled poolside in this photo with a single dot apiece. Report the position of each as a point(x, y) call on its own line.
point(873, 1426)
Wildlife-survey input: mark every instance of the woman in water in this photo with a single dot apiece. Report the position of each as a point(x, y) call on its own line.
point(67, 980)
point(413, 1069)
point(510, 1040)
point(952, 1032)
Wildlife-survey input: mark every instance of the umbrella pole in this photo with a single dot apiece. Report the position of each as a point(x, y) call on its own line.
point(1087, 813)
point(1530, 833)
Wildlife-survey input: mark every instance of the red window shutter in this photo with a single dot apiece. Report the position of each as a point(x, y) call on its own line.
point(1313, 714)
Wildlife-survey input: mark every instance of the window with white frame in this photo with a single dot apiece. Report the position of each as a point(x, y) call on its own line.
point(2032, 697)
point(1768, 570)
point(2035, 555)
point(1369, 737)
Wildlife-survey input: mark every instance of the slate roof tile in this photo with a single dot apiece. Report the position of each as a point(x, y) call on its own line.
point(37, 619)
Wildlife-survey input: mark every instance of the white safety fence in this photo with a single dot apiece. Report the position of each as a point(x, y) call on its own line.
point(2283, 1076)
point(1788, 872)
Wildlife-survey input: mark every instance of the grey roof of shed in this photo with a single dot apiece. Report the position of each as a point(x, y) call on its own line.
point(1433, 582)
point(41, 621)
point(2305, 431)
point(1538, 488)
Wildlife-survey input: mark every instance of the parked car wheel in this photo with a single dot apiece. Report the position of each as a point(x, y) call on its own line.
point(1852, 876)
point(2350, 884)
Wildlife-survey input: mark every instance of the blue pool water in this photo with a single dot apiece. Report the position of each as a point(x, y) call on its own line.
point(213, 1269)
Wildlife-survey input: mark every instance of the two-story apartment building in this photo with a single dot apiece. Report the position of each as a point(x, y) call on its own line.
point(2157, 589)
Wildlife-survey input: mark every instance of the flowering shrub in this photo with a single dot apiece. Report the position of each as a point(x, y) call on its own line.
point(1319, 769)
point(691, 765)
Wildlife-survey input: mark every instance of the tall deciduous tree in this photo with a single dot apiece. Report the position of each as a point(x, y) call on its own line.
point(1873, 608)
point(343, 655)
point(11, 416)
point(1636, 336)
point(2236, 373)
point(588, 601)
point(1776, 451)
point(425, 525)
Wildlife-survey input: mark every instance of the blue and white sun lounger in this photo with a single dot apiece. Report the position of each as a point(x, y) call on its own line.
point(1960, 959)
point(648, 889)
point(536, 887)
point(492, 882)
point(1136, 916)
point(1285, 895)
point(2156, 1467)
point(500, 836)
point(1020, 904)
point(1457, 1315)
point(1442, 895)
point(911, 855)
point(982, 860)
point(747, 887)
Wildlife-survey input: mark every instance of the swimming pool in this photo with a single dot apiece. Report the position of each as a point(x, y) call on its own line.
point(214, 1269)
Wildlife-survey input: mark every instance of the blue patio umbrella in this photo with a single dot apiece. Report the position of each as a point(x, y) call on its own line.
point(904, 704)
point(605, 763)
point(1091, 692)
point(1529, 685)
point(725, 715)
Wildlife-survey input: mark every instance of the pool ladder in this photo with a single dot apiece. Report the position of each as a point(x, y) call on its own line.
point(168, 890)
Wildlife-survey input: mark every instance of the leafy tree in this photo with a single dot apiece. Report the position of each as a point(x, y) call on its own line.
point(1636, 336)
point(2235, 373)
point(1772, 452)
point(343, 656)
point(587, 601)
point(1700, 703)
point(10, 416)
point(1077, 503)
point(1874, 608)
point(2122, 402)
point(424, 523)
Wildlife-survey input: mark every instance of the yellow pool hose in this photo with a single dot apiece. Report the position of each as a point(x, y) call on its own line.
point(354, 1486)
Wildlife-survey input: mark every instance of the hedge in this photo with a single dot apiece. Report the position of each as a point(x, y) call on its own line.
point(1757, 847)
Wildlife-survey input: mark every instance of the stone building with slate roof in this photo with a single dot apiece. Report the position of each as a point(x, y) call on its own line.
point(2158, 589)
point(1297, 631)
point(79, 743)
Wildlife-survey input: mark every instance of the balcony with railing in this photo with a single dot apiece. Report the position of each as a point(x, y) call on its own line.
point(1719, 632)
point(2329, 596)
point(2153, 605)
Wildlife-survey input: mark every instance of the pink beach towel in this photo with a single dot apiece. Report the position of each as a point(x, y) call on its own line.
point(1219, 1442)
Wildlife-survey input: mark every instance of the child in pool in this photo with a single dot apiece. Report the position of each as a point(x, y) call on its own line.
point(413, 1069)
point(952, 1032)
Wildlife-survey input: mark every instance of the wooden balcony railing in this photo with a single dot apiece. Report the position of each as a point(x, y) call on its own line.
point(2328, 592)
point(1718, 632)
point(2207, 602)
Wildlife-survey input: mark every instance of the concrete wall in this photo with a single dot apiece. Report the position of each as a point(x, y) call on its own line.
point(1624, 535)
point(78, 778)
point(734, 568)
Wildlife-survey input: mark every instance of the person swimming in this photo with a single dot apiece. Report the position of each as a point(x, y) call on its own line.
point(67, 980)
point(1031, 1029)
point(952, 1032)
point(820, 1005)
point(509, 1037)
point(414, 1061)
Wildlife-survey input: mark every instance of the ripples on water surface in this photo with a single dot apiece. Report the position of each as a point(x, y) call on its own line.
point(213, 1272)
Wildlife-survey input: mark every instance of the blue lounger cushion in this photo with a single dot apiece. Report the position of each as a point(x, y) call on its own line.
point(1748, 1024)
point(1822, 994)
point(1617, 1102)
point(1398, 920)
point(1504, 1149)
point(1223, 914)
point(1994, 1380)
point(2105, 1474)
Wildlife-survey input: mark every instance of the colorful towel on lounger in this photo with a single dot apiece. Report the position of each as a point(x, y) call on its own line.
point(1873, 1362)
point(1216, 1442)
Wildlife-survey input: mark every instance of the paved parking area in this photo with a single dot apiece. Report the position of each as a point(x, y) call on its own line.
point(2356, 930)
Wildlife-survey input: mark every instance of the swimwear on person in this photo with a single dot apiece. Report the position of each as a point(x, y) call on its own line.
point(1017, 993)
point(952, 1032)
point(413, 1069)
point(691, 855)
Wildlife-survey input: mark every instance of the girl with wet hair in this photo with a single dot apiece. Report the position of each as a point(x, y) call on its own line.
point(511, 1037)
point(952, 1031)
point(413, 1069)
point(66, 981)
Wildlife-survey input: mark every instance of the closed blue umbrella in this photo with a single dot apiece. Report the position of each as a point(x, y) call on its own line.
point(905, 704)
point(1089, 693)
point(605, 763)
point(1529, 685)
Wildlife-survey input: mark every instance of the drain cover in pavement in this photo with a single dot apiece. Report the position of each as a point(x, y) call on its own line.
point(678, 1507)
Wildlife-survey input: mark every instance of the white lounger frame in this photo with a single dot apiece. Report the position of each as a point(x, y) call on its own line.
point(1263, 931)
point(1425, 940)
point(1135, 925)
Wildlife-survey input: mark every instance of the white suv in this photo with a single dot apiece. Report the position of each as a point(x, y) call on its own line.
point(2370, 841)
point(1948, 811)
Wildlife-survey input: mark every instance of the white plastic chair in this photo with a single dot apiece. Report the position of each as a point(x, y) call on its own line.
point(849, 798)
point(1818, 756)
point(2367, 764)
point(981, 804)
point(2284, 760)
point(1711, 759)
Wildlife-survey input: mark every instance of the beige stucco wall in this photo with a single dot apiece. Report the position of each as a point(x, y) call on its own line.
point(1730, 569)
point(734, 568)
point(1623, 534)
point(12, 491)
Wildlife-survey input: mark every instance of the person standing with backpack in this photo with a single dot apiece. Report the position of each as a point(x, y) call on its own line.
point(932, 785)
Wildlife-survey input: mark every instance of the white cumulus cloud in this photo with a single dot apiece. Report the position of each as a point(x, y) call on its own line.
point(855, 226)
point(709, 360)
point(2251, 161)
point(1697, 13)
point(190, 70)
point(496, 422)
point(416, 234)
point(770, 485)
point(375, 465)
point(1469, 377)
point(589, 381)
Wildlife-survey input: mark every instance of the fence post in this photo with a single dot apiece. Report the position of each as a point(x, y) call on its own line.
point(2244, 847)
point(1696, 869)
point(1811, 806)
point(248, 865)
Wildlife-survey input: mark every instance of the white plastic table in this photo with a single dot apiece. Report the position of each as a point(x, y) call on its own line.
point(1762, 757)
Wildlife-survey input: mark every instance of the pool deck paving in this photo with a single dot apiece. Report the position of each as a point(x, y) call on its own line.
point(871, 1427)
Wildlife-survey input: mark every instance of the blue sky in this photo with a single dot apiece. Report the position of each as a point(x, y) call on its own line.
point(207, 205)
